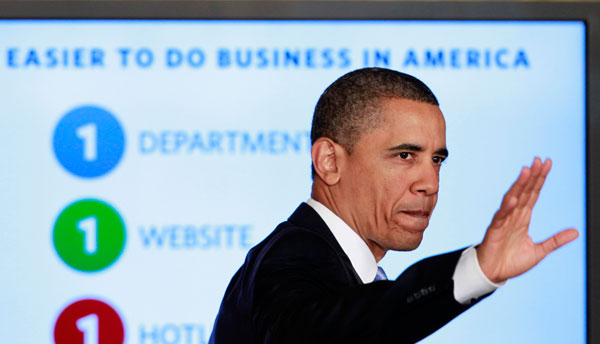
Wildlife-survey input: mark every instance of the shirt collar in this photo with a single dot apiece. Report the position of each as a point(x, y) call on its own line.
point(352, 244)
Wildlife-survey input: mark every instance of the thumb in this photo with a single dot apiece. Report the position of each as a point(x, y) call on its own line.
point(556, 241)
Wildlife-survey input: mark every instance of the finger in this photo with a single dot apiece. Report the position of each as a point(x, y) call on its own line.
point(508, 204)
point(556, 241)
point(518, 186)
point(510, 199)
point(536, 171)
point(519, 192)
point(539, 183)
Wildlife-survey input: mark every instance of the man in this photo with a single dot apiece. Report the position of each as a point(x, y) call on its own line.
point(378, 141)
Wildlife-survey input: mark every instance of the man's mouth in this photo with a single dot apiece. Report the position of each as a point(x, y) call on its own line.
point(416, 213)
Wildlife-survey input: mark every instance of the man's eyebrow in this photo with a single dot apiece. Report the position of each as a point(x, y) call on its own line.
point(407, 147)
point(416, 148)
point(442, 151)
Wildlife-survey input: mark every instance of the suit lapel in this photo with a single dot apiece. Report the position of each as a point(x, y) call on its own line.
point(306, 217)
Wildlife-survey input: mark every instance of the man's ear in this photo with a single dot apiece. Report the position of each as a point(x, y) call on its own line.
point(325, 157)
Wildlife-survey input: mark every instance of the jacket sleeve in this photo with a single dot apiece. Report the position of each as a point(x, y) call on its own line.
point(299, 297)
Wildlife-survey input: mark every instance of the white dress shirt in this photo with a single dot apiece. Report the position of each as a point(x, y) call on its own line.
point(469, 280)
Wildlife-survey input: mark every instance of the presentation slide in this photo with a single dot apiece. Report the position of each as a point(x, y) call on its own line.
point(142, 159)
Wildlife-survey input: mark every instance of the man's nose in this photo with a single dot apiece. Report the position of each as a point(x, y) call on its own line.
point(427, 179)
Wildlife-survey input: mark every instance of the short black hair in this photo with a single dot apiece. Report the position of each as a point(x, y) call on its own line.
point(348, 107)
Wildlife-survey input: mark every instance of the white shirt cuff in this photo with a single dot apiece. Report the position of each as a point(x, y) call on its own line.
point(469, 281)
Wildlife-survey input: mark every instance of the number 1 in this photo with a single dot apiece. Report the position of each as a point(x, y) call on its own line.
point(89, 326)
point(89, 227)
point(89, 134)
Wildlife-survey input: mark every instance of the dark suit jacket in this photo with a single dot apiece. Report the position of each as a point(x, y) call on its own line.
point(298, 286)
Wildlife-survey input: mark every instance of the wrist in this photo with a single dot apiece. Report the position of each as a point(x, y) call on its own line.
point(486, 269)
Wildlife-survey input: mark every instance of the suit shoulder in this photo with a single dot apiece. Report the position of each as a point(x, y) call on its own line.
point(289, 241)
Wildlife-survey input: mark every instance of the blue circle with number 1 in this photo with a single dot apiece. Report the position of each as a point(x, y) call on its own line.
point(89, 141)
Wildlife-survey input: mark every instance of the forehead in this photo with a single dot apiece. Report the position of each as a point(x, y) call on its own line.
point(408, 121)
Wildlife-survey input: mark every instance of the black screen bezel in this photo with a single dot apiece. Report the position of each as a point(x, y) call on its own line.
point(586, 12)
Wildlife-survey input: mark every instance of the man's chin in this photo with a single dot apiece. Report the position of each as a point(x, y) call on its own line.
point(409, 241)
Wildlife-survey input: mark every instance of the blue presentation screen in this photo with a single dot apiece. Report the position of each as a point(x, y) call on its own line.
point(141, 160)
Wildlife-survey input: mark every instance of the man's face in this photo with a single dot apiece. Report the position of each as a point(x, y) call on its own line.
point(391, 178)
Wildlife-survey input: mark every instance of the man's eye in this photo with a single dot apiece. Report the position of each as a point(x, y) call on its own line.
point(438, 159)
point(404, 155)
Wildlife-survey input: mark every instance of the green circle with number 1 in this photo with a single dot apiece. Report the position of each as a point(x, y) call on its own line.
point(89, 235)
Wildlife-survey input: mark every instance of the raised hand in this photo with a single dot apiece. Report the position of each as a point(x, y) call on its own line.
point(507, 249)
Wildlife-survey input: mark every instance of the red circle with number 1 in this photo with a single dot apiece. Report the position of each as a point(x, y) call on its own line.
point(89, 321)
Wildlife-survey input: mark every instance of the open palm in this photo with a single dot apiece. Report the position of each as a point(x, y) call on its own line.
point(507, 249)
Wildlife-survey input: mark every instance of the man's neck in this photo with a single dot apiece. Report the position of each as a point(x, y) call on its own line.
point(324, 196)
